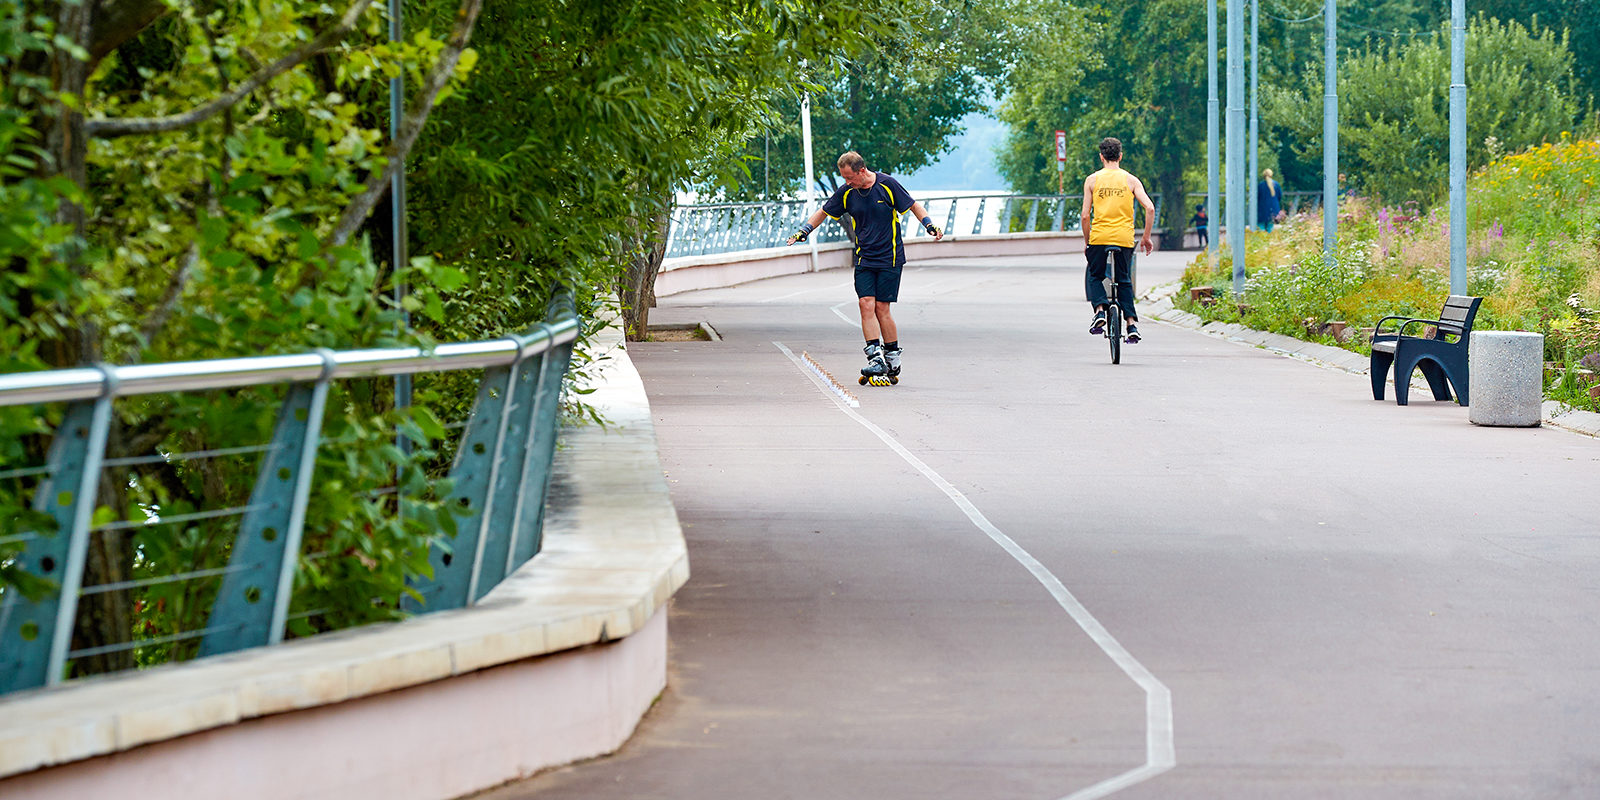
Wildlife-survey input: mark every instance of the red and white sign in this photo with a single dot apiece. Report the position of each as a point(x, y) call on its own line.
point(1061, 151)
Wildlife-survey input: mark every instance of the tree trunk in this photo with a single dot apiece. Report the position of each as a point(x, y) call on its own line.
point(106, 618)
point(638, 286)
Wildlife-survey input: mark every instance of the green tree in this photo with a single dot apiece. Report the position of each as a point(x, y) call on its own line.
point(1580, 19)
point(186, 181)
point(1394, 105)
point(897, 99)
point(1133, 72)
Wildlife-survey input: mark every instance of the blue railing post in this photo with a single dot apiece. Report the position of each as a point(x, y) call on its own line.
point(1033, 215)
point(535, 487)
point(1061, 210)
point(456, 562)
point(40, 632)
point(977, 221)
point(499, 533)
point(253, 603)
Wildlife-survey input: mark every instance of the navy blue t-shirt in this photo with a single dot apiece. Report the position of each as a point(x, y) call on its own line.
point(875, 216)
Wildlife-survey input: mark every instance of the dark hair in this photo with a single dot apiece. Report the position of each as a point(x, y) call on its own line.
point(1111, 149)
point(853, 160)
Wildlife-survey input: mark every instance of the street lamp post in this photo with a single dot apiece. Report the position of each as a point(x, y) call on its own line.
point(1235, 132)
point(810, 190)
point(1255, 105)
point(1212, 220)
point(1330, 132)
point(397, 216)
point(1458, 147)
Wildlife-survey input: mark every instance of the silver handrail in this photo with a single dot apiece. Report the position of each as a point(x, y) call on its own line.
point(229, 373)
point(498, 483)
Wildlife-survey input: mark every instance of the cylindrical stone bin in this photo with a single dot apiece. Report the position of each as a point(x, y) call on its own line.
point(1507, 377)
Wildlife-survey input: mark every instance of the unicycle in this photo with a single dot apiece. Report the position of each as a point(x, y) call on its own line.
point(1113, 309)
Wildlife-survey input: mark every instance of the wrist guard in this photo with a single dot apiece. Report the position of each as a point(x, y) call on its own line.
point(805, 230)
point(927, 223)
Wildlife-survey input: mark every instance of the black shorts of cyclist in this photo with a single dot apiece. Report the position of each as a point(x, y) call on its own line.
point(882, 285)
point(1123, 275)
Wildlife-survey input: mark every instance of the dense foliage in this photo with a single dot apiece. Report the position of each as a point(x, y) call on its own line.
point(1394, 106)
point(227, 203)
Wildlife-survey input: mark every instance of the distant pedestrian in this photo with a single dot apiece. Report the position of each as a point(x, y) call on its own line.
point(1108, 197)
point(1201, 223)
point(874, 202)
point(1269, 200)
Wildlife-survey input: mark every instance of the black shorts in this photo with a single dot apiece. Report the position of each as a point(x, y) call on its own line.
point(882, 285)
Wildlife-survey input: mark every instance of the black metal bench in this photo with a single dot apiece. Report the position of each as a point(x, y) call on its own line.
point(1443, 361)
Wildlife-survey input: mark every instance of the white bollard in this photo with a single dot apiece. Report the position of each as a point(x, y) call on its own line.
point(1507, 377)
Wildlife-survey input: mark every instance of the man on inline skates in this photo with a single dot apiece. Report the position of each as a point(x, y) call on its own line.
point(873, 201)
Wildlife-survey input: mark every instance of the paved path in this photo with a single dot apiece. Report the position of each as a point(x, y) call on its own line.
point(1344, 598)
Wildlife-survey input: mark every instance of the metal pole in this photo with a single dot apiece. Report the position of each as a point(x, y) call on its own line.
point(1255, 105)
point(397, 224)
point(1330, 131)
point(1458, 147)
point(1212, 220)
point(809, 192)
point(1235, 132)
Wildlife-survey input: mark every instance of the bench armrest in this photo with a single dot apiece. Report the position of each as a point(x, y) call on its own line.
point(1406, 322)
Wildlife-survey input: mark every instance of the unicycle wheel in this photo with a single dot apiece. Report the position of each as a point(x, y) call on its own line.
point(1114, 333)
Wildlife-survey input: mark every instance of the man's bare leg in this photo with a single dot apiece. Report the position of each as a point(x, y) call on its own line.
point(886, 324)
point(869, 318)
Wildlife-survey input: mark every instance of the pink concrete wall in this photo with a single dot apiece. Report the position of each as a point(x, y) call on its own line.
point(438, 740)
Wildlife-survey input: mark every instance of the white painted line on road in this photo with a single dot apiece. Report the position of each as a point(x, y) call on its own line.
point(1160, 752)
point(854, 323)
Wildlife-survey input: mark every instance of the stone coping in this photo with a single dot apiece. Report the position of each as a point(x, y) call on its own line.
point(1160, 307)
point(613, 555)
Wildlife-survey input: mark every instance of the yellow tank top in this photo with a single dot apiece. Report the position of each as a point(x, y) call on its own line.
point(1113, 209)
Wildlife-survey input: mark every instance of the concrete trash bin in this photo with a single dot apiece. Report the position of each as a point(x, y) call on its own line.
point(1506, 371)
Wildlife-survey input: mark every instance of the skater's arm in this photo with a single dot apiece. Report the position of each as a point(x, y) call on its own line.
point(1149, 213)
point(927, 221)
point(808, 226)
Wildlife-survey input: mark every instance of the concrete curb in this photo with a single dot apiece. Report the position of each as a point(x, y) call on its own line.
point(1157, 304)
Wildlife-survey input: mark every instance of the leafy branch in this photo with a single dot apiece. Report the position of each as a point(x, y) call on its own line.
point(108, 128)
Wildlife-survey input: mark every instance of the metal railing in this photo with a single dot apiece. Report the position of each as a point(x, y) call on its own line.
point(498, 482)
point(1292, 203)
point(732, 227)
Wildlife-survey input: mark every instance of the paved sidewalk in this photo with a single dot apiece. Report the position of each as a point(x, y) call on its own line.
point(1229, 574)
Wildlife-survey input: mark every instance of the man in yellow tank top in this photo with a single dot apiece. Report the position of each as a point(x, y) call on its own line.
point(1107, 216)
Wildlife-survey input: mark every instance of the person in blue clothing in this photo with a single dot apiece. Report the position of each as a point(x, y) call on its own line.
point(1201, 223)
point(1269, 201)
point(873, 202)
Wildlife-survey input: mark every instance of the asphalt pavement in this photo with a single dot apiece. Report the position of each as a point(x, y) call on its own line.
point(1209, 571)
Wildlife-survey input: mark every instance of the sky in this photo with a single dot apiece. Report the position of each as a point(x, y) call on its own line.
point(967, 168)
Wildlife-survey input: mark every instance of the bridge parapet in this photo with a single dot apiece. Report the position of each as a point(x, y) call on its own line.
point(498, 482)
point(555, 664)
